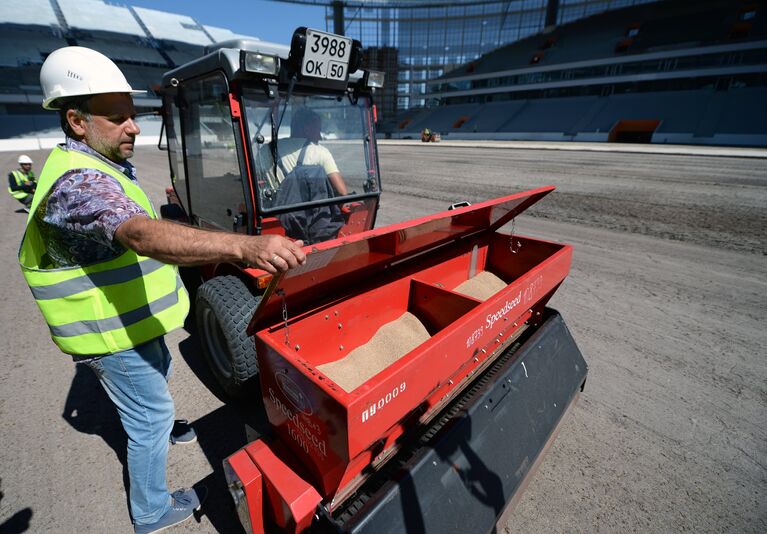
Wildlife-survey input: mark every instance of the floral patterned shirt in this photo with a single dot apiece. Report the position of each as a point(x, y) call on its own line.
point(82, 213)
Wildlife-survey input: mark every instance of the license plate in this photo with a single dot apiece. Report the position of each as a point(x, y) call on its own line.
point(326, 56)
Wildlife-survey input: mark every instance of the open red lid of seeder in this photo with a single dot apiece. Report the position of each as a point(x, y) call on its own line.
point(342, 263)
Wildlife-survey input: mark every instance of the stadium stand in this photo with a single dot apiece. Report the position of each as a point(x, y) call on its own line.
point(667, 72)
point(491, 116)
point(739, 103)
point(27, 46)
point(539, 116)
point(128, 51)
point(444, 118)
point(145, 43)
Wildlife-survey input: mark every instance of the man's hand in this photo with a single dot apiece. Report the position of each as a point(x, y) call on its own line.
point(272, 253)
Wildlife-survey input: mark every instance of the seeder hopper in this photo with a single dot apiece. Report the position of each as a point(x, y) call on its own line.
point(413, 376)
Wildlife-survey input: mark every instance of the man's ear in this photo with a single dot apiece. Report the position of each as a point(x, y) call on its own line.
point(76, 122)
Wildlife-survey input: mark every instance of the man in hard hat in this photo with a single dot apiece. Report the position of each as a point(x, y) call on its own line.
point(22, 182)
point(102, 267)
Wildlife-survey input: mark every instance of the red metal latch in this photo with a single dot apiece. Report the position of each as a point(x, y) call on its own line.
point(234, 104)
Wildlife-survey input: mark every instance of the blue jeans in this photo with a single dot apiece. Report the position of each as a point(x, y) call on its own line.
point(137, 382)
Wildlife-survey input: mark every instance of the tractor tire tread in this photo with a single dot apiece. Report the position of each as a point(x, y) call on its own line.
point(233, 305)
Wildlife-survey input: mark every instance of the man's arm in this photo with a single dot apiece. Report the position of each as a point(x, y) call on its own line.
point(337, 181)
point(184, 245)
point(27, 187)
point(334, 175)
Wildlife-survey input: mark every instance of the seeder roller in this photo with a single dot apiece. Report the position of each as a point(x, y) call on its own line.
point(412, 376)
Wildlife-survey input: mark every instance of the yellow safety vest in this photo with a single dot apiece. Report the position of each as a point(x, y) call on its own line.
point(104, 307)
point(20, 178)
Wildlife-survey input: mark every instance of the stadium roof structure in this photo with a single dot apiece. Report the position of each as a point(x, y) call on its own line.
point(22, 12)
point(103, 17)
point(94, 15)
point(143, 42)
point(390, 3)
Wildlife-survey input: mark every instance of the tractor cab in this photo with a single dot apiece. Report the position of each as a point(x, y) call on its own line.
point(264, 138)
point(267, 139)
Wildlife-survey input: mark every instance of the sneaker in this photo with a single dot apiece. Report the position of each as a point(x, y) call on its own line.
point(25, 209)
point(182, 432)
point(185, 502)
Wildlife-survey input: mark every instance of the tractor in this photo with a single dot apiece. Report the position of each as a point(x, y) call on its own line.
point(412, 375)
point(228, 117)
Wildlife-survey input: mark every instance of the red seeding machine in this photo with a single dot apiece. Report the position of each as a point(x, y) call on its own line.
point(412, 375)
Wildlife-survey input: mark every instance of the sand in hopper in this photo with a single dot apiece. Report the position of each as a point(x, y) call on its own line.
point(391, 342)
point(482, 286)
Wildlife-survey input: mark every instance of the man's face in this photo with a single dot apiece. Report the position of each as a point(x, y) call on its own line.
point(26, 167)
point(111, 131)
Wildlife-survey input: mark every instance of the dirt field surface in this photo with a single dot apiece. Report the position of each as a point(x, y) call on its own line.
point(667, 300)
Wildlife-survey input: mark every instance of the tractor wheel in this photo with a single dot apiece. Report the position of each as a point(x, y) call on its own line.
point(224, 307)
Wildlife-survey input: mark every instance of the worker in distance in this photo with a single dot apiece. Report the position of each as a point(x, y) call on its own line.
point(102, 268)
point(22, 182)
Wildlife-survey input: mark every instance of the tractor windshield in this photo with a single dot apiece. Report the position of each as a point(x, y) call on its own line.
point(320, 140)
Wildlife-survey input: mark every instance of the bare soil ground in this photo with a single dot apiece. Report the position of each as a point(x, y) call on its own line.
point(666, 300)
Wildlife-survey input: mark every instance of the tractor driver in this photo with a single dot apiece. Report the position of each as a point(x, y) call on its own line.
point(305, 134)
point(102, 269)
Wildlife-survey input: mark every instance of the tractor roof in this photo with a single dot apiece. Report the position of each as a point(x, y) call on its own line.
point(226, 56)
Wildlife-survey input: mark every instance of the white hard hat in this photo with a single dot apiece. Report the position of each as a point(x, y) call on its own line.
point(25, 159)
point(79, 71)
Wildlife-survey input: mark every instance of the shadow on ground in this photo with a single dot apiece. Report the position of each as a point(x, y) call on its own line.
point(18, 522)
point(89, 410)
point(220, 433)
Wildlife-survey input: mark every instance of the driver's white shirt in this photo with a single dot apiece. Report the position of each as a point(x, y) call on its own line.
point(288, 150)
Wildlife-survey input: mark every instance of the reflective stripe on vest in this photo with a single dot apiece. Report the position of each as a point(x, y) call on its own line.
point(95, 326)
point(20, 179)
point(104, 307)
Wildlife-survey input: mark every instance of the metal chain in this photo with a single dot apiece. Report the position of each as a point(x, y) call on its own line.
point(512, 248)
point(281, 293)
